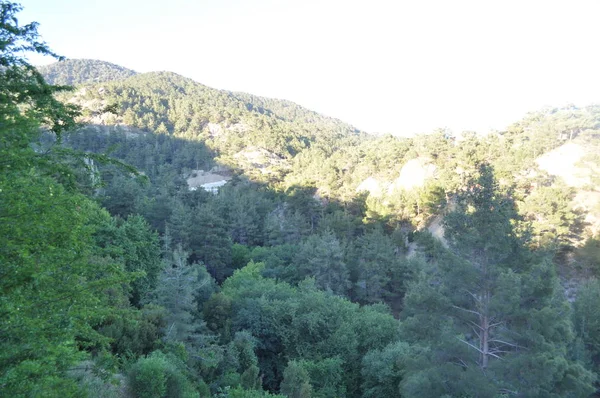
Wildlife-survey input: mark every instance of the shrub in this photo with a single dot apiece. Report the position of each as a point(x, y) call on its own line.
point(160, 376)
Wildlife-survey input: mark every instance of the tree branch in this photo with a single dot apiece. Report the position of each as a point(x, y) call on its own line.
point(506, 343)
point(478, 299)
point(478, 349)
point(464, 309)
point(495, 324)
point(507, 391)
point(499, 351)
point(462, 363)
point(476, 325)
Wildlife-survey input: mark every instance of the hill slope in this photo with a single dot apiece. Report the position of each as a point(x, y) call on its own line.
point(72, 72)
point(319, 211)
point(232, 124)
point(282, 143)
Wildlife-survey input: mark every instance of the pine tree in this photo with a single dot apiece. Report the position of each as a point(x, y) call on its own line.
point(489, 310)
point(376, 258)
point(210, 243)
point(176, 291)
point(322, 256)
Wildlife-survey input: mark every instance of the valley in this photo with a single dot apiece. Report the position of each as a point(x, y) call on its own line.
point(162, 238)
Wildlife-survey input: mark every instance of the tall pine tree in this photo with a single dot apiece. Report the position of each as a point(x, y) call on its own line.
point(489, 311)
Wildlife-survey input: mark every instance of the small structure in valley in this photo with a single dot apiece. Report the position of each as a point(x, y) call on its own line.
point(210, 181)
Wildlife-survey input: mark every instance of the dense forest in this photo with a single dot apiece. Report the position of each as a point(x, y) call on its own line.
point(326, 262)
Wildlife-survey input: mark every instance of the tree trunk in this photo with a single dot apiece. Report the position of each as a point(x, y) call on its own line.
point(484, 323)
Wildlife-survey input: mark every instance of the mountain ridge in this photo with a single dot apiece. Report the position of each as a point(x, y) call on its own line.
point(96, 71)
point(71, 72)
point(230, 123)
point(280, 141)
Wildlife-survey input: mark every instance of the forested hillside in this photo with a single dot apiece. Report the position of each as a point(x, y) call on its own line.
point(78, 71)
point(328, 263)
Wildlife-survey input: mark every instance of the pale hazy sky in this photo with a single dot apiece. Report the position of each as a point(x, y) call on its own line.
point(382, 65)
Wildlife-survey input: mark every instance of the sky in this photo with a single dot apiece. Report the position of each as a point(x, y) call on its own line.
point(385, 66)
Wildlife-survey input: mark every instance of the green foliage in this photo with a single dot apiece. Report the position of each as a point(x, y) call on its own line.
point(240, 255)
point(382, 370)
point(551, 215)
point(376, 268)
point(203, 389)
point(23, 91)
point(57, 281)
point(216, 313)
point(92, 385)
point(488, 309)
point(277, 260)
point(240, 392)
point(586, 319)
point(53, 281)
point(243, 345)
point(296, 381)
point(326, 377)
point(589, 255)
point(289, 239)
point(141, 253)
point(132, 332)
point(250, 378)
point(210, 243)
point(176, 292)
point(122, 196)
point(53, 292)
point(322, 256)
point(160, 376)
point(77, 71)
point(230, 379)
point(186, 109)
point(244, 208)
point(148, 378)
point(329, 333)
